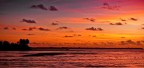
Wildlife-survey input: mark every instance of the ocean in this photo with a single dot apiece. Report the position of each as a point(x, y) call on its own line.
point(73, 58)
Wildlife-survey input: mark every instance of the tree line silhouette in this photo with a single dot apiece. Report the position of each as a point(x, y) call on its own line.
point(22, 44)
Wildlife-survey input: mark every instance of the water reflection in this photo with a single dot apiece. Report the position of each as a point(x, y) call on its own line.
point(72, 59)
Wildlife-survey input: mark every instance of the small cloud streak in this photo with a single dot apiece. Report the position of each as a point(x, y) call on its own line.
point(29, 29)
point(30, 34)
point(90, 19)
point(94, 29)
point(118, 23)
point(43, 29)
point(54, 23)
point(28, 21)
point(122, 19)
point(134, 19)
point(53, 8)
point(64, 27)
point(5, 28)
point(40, 6)
point(14, 28)
point(127, 42)
point(68, 36)
point(110, 7)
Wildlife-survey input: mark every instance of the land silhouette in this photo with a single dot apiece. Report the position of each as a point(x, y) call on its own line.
point(21, 45)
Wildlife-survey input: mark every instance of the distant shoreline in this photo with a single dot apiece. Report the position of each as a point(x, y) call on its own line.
point(47, 48)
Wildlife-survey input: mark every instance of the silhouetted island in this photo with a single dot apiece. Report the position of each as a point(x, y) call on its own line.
point(21, 45)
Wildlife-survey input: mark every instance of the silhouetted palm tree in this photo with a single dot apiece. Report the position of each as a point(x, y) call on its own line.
point(21, 45)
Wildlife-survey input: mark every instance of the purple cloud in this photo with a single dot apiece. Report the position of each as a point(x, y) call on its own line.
point(28, 21)
point(110, 7)
point(40, 6)
point(53, 8)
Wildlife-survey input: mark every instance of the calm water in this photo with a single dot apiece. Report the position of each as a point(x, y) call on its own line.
point(76, 58)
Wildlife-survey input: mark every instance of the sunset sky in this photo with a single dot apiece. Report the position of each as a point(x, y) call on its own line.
point(73, 23)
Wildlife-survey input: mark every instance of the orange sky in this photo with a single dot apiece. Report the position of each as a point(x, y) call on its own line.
point(74, 23)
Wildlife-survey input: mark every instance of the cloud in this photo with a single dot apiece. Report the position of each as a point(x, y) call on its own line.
point(64, 27)
point(30, 34)
point(28, 21)
point(54, 23)
point(5, 28)
point(127, 42)
point(77, 35)
point(118, 23)
point(29, 29)
point(24, 29)
point(110, 7)
point(40, 6)
point(122, 37)
point(142, 27)
point(14, 28)
point(134, 19)
point(94, 29)
point(90, 19)
point(53, 8)
point(43, 29)
point(67, 36)
point(122, 19)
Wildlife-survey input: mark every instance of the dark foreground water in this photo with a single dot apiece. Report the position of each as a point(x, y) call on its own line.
point(75, 58)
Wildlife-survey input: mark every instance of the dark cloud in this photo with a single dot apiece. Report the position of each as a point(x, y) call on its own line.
point(64, 27)
point(53, 8)
point(110, 7)
point(134, 19)
point(122, 19)
point(28, 21)
point(94, 29)
point(24, 29)
point(99, 29)
point(14, 28)
point(77, 35)
point(90, 19)
point(122, 37)
point(54, 23)
point(142, 27)
point(30, 34)
point(68, 36)
point(130, 42)
point(29, 29)
point(43, 29)
point(118, 23)
point(5, 28)
point(40, 6)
